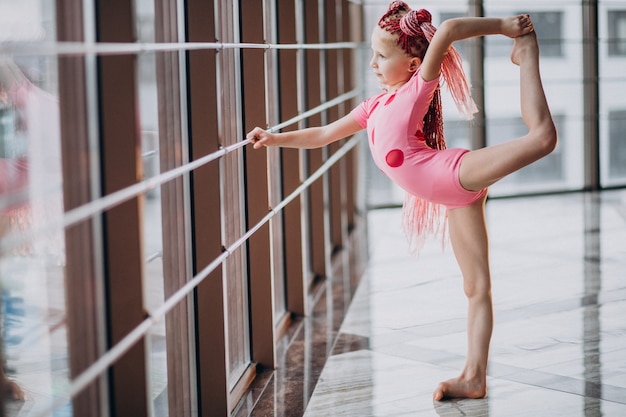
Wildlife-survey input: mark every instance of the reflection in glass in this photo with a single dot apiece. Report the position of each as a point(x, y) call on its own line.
point(31, 271)
point(152, 219)
point(32, 297)
point(591, 309)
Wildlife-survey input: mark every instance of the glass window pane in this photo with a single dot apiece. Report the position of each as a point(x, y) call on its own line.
point(461, 46)
point(32, 271)
point(154, 294)
point(154, 284)
point(612, 84)
point(548, 25)
point(617, 144)
point(617, 32)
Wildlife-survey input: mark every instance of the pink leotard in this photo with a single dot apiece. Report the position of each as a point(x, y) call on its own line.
point(394, 125)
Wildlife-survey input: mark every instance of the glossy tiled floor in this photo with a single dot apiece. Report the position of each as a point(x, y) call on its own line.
point(559, 343)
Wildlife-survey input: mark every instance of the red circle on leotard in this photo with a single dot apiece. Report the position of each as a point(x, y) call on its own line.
point(394, 158)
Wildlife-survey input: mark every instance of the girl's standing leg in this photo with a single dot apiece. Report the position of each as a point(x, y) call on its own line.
point(468, 234)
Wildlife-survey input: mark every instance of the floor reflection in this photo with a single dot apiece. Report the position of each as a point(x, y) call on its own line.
point(591, 310)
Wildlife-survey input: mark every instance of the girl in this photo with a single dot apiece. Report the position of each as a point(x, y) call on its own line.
point(406, 139)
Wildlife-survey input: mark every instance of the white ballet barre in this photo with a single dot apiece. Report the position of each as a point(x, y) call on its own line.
point(112, 48)
point(112, 355)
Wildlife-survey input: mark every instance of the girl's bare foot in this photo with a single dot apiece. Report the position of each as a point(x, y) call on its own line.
point(525, 45)
point(461, 387)
point(515, 26)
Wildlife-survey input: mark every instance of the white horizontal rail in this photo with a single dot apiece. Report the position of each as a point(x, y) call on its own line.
point(88, 210)
point(111, 48)
point(112, 355)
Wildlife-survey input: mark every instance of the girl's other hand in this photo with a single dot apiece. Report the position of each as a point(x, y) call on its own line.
point(515, 26)
point(260, 137)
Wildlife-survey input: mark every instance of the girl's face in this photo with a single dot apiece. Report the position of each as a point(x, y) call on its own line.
point(392, 66)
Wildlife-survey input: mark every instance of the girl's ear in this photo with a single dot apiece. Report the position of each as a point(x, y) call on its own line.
point(414, 64)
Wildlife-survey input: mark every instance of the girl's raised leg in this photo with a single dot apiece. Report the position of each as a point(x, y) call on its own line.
point(468, 234)
point(483, 167)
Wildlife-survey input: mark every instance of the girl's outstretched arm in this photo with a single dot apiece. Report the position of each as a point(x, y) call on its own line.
point(468, 27)
point(312, 137)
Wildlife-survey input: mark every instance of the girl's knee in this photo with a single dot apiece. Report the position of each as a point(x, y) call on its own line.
point(475, 289)
point(545, 137)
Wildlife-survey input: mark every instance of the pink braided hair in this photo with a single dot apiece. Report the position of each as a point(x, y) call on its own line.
point(415, 31)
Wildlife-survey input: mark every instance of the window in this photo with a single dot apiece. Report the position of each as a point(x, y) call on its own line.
point(549, 32)
point(461, 46)
point(544, 173)
point(617, 33)
point(548, 26)
point(617, 143)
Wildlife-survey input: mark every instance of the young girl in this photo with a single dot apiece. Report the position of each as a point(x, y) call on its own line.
point(405, 136)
